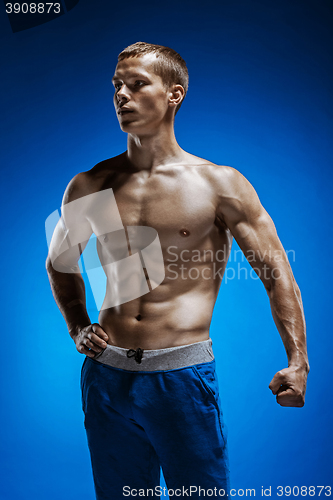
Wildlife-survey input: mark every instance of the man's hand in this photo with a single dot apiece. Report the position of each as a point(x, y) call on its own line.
point(90, 340)
point(289, 386)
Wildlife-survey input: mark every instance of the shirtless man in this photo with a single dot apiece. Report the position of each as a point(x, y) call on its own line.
point(149, 388)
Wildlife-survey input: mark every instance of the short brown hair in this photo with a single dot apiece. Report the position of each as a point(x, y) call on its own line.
point(170, 66)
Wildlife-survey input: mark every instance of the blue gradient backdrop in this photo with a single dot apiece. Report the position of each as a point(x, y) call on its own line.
point(259, 100)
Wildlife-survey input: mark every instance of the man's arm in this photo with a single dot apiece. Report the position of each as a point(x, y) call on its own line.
point(255, 233)
point(68, 242)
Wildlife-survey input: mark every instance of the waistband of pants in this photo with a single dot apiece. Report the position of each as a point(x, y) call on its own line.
point(170, 358)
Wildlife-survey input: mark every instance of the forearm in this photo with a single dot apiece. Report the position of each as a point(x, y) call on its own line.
point(69, 293)
point(288, 315)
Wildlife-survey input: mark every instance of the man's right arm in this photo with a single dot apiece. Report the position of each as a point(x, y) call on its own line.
point(68, 242)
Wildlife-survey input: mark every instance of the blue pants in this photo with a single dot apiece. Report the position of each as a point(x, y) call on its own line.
point(139, 421)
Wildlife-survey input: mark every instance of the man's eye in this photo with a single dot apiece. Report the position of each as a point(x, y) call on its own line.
point(139, 83)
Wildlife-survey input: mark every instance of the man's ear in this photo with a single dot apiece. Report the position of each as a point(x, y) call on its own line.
point(176, 95)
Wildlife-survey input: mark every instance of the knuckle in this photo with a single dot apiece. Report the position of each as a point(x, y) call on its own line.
point(298, 394)
point(301, 400)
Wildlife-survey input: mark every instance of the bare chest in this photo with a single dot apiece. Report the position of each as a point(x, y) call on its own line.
point(169, 203)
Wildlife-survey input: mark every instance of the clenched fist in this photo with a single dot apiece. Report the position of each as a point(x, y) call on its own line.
point(91, 340)
point(289, 386)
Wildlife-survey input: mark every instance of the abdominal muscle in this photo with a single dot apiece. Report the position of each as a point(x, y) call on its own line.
point(177, 312)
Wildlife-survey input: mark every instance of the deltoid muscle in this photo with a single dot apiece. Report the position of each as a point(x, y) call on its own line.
point(96, 217)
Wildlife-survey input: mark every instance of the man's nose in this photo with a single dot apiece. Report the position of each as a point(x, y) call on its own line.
point(122, 93)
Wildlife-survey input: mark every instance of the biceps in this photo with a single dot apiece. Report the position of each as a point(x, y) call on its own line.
point(257, 234)
point(262, 247)
point(67, 245)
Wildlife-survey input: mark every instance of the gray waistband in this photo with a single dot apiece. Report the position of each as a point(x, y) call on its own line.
point(157, 359)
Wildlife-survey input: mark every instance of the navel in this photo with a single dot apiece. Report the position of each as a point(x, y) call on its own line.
point(184, 232)
point(138, 317)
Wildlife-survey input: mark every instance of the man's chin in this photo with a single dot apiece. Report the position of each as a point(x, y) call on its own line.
point(130, 127)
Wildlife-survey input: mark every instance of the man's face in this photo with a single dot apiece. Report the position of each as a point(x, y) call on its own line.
point(141, 99)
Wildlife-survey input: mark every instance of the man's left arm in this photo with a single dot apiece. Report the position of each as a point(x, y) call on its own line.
point(255, 233)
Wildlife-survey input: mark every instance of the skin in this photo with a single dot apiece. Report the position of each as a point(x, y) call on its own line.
point(196, 207)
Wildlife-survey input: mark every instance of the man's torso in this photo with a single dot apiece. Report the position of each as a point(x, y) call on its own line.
point(180, 202)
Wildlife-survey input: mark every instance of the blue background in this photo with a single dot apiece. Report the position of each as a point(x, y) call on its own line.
point(259, 100)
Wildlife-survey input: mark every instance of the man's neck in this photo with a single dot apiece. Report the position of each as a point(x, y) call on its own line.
point(151, 151)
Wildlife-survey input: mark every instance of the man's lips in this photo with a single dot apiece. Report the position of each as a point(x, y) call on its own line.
point(123, 111)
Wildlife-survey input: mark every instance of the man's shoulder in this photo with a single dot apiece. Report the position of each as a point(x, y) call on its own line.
point(223, 177)
point(93, 180)
point(107, 167)
point(231, 188)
